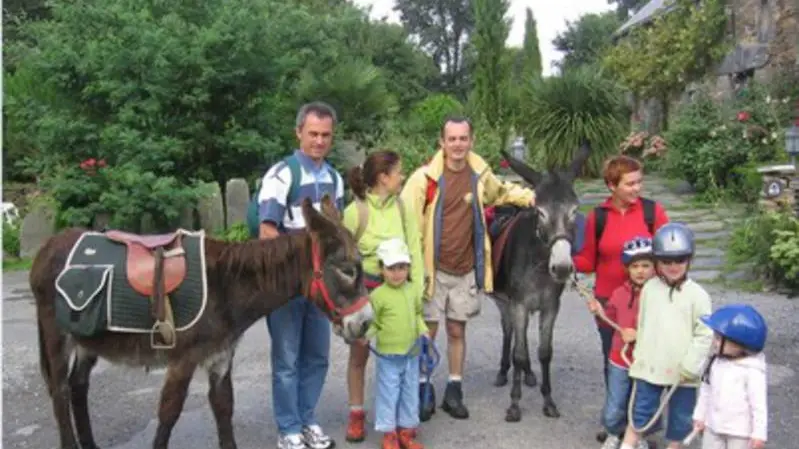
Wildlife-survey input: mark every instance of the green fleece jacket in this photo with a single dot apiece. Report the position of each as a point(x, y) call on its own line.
point(399, 320)
point(384, 223)
point(671, 342)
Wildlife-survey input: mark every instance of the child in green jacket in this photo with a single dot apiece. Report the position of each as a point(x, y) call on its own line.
point(672, 343)
point(398, 326)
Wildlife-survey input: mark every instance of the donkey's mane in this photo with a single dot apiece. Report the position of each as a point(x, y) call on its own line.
point(275, 265)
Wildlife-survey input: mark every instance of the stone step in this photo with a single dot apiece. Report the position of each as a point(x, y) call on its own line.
point(712, 235)
point(706, 226)
point(691, 215)
point(705, 251)
point(703, 263)
point(704, 275)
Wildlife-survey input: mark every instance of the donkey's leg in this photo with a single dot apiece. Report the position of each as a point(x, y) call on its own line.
point(546, 327)
point(521, 358)
point(173, 395)
point(507, 338)
point(54, 350)
point(220, 395)
point(79, 384)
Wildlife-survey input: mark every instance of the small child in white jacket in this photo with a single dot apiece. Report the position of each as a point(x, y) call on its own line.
point(732, 408)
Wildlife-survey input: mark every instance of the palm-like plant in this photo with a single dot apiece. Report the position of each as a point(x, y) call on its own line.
point(558, 112)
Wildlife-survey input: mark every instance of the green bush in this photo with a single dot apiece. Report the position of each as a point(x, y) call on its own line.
point(429, 113)
point(717, 146)
point(565, 109)
point(125, 192)
point(769, 243)
point(239, 232)
point(11, 233)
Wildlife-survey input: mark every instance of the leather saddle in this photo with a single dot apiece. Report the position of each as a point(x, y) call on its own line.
point(156, 266)
point(500, 227)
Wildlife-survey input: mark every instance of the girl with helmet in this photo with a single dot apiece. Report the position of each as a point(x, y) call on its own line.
point(622, 308)
point(671, 342)
point(732, 408)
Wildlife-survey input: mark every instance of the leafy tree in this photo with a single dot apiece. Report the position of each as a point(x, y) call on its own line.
point(491, 73)
point(585, 40)
point(531, 53)
point(679, 47)
point(526, 67)
point(442, 28)
point(183, 91)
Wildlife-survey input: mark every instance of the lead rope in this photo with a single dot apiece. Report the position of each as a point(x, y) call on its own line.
point(586, 293)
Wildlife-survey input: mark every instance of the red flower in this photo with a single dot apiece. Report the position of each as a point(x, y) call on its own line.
point(504, 164)
point(743, 116)
point(101, 163)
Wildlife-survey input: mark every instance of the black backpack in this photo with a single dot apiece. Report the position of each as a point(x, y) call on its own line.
point(601, 216)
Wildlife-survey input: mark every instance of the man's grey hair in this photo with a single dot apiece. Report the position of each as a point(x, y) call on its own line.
point(317, 108)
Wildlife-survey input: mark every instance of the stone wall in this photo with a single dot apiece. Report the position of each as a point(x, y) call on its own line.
point(766, 33)
point(214, 214)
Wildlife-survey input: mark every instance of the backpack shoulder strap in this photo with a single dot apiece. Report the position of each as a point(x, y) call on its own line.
point(294, 187)
point(363, 218)
point(649, 214)
point(296, 177)
point(600, 217)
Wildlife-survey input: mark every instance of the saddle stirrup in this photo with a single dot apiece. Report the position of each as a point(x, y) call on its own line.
point(162, 313)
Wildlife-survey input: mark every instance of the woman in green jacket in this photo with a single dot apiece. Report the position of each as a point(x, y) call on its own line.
point(377, 214)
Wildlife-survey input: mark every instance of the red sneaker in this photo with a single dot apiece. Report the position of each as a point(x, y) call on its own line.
point(356, 428)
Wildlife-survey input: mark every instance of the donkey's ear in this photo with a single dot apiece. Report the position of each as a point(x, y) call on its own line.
point(315, 221)
point(522, 169)
point(329, 208)
point(580, 158)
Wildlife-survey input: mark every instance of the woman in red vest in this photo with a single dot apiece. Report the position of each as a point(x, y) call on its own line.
point(625, 214)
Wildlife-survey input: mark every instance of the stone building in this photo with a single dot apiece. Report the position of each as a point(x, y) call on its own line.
point(766, 37)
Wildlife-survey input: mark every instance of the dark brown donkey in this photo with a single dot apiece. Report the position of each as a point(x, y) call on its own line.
point(245, 282)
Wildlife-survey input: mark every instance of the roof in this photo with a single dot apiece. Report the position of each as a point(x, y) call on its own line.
point(645, 15)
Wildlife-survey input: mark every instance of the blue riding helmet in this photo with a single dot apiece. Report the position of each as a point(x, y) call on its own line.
point(740, 323)
point(636, 248)
point(673, 241)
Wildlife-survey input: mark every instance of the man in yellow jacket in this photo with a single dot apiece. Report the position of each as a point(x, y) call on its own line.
point(448, 195)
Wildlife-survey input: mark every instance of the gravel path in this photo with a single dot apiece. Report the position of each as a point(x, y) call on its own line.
point(123, 400)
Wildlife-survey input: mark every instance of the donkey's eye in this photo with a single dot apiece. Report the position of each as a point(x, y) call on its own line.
point(542, 215)
point(573, 213)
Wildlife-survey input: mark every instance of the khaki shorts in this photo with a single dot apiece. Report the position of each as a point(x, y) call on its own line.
point(457, 297)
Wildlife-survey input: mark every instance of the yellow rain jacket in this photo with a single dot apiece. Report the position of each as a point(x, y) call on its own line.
point(488, 190)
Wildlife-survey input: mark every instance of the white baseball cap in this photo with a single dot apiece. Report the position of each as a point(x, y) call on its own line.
point(393, 251)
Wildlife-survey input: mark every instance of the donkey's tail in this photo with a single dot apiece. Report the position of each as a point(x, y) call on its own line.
point(44, 362)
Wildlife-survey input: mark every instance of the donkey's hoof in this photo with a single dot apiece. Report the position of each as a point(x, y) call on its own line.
point(501, 380)
point(530, 380)
point(551, 411)
point(514, 414)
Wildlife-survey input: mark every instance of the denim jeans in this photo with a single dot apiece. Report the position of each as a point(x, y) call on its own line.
point(679, 411)
point(617, 396)
point(397, 396)
point(300, 352)
point(606, 337)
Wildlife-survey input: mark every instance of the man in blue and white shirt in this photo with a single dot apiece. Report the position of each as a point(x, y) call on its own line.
point(300, 332)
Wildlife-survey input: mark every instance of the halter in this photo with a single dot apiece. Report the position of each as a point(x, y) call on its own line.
point(318, 288)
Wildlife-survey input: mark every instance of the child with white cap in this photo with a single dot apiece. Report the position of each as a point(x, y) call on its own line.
point(398, 326)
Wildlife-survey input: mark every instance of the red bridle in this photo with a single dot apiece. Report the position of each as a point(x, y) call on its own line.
point(318, 286)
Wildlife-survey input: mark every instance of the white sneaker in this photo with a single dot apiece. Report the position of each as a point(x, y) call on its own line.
point(291, 441)
point(315, 438)
point(642, 444)
point(611, 442)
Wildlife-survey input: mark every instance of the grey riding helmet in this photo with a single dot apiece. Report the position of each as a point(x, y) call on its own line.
point(673, 241)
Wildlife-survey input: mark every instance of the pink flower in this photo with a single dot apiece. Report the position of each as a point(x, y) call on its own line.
point(504, 164)
point(743, 116)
